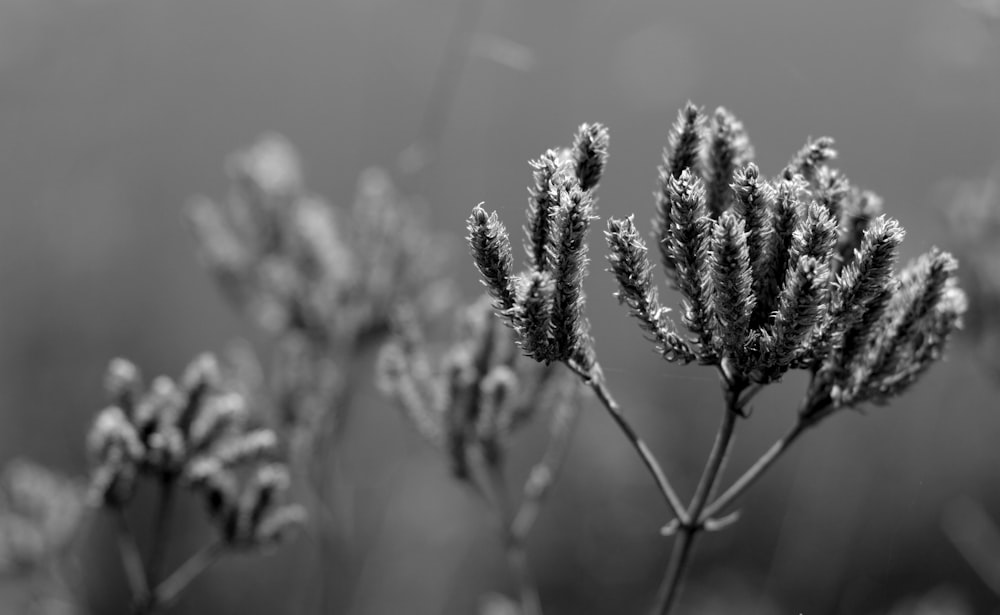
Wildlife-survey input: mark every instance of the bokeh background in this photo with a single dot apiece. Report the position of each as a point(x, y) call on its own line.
point(113, 113)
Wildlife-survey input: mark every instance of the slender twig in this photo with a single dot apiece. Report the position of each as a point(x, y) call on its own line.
point(326, 470)
point(157, 551)
point(542, 476)
point(446, 81)
point(171, 588)
point(976, 537)
point(595, 381)
point(756, 470)
point(514, 549)
point(688, 531)
point(135, 571)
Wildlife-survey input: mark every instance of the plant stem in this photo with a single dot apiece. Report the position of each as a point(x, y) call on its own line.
point(670, 589)
point(135, 571)
point(756, 470)
point(157, 550)
point(517, 559)
point(595, 380)
point(170, 589)
point(543, 474)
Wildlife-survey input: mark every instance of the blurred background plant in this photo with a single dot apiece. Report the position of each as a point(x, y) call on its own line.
point(197, 436)
point(114, 113)
point(469, 403)
point(41, 515)
point(325, 285)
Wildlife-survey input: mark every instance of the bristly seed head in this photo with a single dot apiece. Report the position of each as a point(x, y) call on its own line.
point(491, 253)
point(684, 144)
point(728, 149)
point(732, 282)
point(590, 154)
point(549, 173)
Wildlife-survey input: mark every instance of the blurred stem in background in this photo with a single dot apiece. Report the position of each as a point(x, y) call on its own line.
point(469, 402)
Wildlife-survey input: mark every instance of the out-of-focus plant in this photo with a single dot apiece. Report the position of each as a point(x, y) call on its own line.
point(197, 436)
point(41, 513)
point(792, 273)
point(469, 401)
point(325, 284)
point(973, 216)
point(481, 391)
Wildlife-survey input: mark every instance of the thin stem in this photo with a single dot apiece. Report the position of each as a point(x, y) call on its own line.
point(135, 571)
point(170, 589)
point(543, 475)
point(517, 558)
point(595, 381)
point(447, 79)
point(673, 580)
point(157, 551)
point(756, 470)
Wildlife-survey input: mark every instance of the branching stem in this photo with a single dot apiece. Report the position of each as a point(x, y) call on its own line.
point(595, 380)
point(688, 529)
point(163, 510)
point(135, 571)
point(756, 470)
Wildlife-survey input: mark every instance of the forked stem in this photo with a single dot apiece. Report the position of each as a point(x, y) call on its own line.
point(755, 471)
point(595, 380)
point(157, 551)
point(135, 571)
point(687, 531)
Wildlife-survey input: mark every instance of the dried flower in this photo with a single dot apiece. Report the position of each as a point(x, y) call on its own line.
point(728, 149)
point(732, 298)
point(544, 303)
point(40, 513)
point(309, 273)
point(636, 289)
point(470, 400)
point(199, 433)
point(590, 154)
point(492, 254)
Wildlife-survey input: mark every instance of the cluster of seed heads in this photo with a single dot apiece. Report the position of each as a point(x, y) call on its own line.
point(40, 512)
point(471, 397)
point(199, 433)
point(797, 271)
point(322, 280)
point(296, 263)
point(545, 302)
point(793, 272)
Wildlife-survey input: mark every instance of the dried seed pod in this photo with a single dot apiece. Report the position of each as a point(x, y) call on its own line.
point(570, 327)
point(491, 253)
point(684, 144)
point(631, 268)
point(812, 156)
point(732, 281)
point(123, 383)
point(590, 154)
point(549, 173)
point(728, 149)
